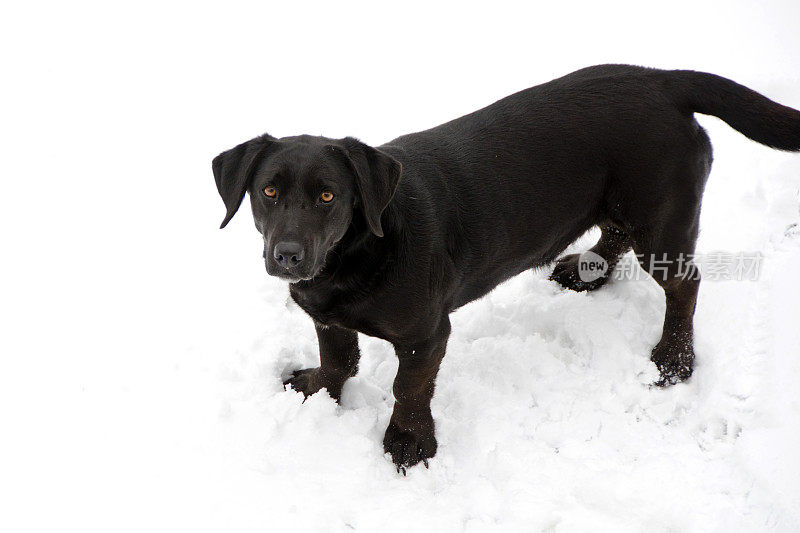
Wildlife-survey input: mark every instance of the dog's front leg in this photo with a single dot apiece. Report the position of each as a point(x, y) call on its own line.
point(410, 437)
point(338, 357)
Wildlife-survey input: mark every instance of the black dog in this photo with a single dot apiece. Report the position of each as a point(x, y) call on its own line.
point(388, 241)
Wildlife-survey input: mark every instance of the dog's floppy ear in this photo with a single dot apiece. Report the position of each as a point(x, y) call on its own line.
point(233, 169)
point(377, 174)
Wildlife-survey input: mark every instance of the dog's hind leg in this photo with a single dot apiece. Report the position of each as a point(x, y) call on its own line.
point(662, 217)
point(669, 263)
point(571, 271)
point(664, 234)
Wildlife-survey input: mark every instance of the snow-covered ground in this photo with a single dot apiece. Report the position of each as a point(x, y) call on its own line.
point(143, 350)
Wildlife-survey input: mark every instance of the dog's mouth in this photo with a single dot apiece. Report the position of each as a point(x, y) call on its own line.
point(290, 275)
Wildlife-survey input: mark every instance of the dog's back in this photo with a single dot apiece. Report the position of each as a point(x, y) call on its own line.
point(542, 165)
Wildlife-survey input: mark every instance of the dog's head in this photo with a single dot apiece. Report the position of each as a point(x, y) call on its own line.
point(305, 192)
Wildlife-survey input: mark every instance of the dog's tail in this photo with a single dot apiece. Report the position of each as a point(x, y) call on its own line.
point(748, 112)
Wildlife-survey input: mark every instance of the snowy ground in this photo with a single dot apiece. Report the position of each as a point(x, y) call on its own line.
point(143, 350)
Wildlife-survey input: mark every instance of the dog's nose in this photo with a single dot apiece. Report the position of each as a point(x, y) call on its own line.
point(288, 254)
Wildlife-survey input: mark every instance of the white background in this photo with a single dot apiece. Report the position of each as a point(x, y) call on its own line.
point(142, 349)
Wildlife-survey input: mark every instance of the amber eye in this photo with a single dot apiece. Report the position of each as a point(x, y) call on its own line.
point(271, 192)
point(326, 196)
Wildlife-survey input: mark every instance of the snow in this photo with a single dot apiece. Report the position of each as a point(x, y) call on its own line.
point(143, 350)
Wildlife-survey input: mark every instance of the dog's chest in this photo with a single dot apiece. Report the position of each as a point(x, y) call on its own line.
point(330, 309)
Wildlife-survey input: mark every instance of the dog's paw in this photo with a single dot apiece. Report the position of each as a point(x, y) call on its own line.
point(310, 381)
point(675, 361)
point(408, 448)
point(567, 274)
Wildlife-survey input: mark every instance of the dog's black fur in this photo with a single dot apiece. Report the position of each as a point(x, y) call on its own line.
point(433, 220)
